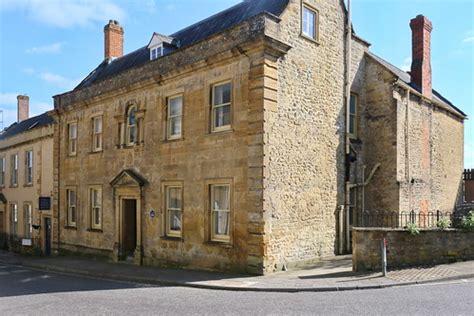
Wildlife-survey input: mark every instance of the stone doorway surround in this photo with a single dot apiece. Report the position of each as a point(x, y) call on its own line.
point(128, 185)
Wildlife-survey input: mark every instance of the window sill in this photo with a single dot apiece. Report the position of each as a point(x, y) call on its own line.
point(29, 185)
point(95, 152)
point(306, 37)
point(218, 243)
point(70, 227)
point(131, 146)
point(95, 230)
point(13, 186)
point(172, 238)
point(173, 140)
point(71, 156)
point(222, 131)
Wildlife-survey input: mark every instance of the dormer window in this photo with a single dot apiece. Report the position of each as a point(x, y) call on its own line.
point(156, 52)
point(160, 45)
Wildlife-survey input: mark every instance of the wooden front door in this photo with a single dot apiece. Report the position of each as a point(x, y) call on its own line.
point(129, 228)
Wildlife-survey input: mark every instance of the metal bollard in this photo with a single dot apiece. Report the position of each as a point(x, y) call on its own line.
point(384, 257)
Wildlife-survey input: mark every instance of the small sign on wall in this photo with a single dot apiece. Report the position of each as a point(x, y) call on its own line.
point(152, 213)
point(26, 242)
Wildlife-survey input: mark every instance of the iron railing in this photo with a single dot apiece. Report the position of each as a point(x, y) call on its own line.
point(392, 219)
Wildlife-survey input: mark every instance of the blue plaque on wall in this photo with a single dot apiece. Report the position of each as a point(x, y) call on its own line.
point(44, 203)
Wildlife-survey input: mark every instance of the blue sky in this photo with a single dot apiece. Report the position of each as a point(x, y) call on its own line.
point(48, 46)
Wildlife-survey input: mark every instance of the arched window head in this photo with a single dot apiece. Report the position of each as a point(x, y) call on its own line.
point(132, 125)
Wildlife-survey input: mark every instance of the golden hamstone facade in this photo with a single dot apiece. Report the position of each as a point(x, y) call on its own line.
point(228, 153)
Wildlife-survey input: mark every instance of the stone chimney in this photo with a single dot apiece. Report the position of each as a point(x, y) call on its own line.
point(113, 40)
point(421, 29)
point(23, 107)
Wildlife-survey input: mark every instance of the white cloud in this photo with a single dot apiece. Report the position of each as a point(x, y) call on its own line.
point(406, 65)
point(468, 39)
point(66, 13)
point(53, 78)
point(54, 48)
point(58, 80)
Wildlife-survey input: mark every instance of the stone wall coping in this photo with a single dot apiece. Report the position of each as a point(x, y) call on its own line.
point(388, 229)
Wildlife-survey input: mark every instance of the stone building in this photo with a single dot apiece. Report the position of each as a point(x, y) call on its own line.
point(26, 182)
point(226, 145)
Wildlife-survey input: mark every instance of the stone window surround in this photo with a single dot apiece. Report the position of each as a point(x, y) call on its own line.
point(212, 240)
point(227, 128)
point(355, 134)
point(164, 214)
point(314, 9)
point(69, 223)
point(93, 117)
point(121, 120)
point(70, 123)
point(29, 184)
point(3, 170)
point(167, 117)
point(94, 227)
point(13, 169)
point(128, 126)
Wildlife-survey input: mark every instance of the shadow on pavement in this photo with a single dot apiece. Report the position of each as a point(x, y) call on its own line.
point(17, 281)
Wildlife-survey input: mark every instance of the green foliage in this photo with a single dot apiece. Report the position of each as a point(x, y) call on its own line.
point(413, 229)
point(467, 221)
point(443, 223)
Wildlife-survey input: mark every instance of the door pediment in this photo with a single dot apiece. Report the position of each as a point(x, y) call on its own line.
point(128, 177)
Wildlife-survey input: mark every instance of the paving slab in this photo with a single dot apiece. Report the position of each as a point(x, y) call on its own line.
point(331, 274)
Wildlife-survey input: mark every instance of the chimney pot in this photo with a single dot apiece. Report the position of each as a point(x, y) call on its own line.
point(113, 40)
point(421, 74)
point(23, 107)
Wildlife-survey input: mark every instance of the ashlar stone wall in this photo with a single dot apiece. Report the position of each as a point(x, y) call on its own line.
point(197, 159)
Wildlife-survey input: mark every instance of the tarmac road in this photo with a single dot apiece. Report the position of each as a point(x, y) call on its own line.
point(31, 292)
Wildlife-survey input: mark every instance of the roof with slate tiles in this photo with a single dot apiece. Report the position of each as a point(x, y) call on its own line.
point(216, 24)
point(188, 36)
point(406, 78)
point(26, 125)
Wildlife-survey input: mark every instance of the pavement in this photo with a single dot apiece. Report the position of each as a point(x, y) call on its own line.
point(329, 274)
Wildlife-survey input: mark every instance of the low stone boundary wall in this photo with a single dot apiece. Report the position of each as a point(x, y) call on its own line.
point(429, 247)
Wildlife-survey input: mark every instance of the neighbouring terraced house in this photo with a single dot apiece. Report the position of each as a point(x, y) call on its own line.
point(244, 142)
point(26, 182)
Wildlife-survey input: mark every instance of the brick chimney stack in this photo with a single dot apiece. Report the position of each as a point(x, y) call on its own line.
point(421, 29)
point(113, 40)
point(23, 102)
